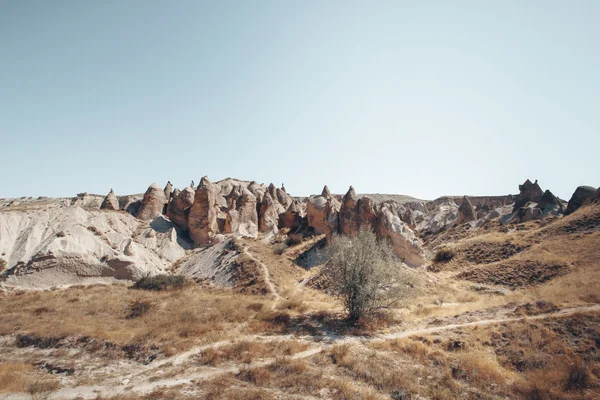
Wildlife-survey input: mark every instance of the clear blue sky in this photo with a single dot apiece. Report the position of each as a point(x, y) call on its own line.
point(424, 98)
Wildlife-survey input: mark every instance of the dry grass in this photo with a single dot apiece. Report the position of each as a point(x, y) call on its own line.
point(175, 321)
point(18, 377)
point(250, 351)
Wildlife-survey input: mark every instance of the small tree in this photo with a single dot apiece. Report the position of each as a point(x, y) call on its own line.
point(362, 273)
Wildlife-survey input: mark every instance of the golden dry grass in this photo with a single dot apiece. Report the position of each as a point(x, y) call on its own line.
point(246, 351)
point(176, 320)
point(19, 377)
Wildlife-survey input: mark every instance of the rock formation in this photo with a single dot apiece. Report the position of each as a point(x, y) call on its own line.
point(168, 190)
point(322, 213)
point(293, 217)
point(283, 198)
point(581, 196)
point(403, 240)
point(152, 204)
point(528, 192)
point(466, 212)
point(549, 203)
point(243, 220)
point(110, 202)
point(202, 220)
point(349, 223)
point(367, 215)
point(268, 216)
point(179, 207)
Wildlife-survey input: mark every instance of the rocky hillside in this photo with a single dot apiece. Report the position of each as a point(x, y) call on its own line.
point(90, 238)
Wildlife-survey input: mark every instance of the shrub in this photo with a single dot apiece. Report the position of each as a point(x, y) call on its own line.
point(444, 255)
point(578, 378)
point(2, 264)
point(160, 282)
point(137, 308)
point(279, 248)
point(362, 274)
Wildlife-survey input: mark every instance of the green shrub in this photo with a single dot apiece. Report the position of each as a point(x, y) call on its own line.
point(444, 255)
point(160, 282)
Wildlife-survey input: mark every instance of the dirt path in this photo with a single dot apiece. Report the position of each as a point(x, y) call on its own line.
point(265, 269)
point(148, 384)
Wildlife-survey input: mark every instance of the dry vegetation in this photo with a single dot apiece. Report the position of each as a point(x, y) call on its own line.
point(248, 344)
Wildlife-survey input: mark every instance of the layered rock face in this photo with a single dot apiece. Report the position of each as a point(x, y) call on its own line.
point(581, 196)
point(179, 207)
point(110, 202)
point(466, 212)
point(202, 220)
point(405, 244)
point(152, 204)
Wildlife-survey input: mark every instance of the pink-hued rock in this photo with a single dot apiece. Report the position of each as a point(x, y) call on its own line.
point(202, 219)
point(268, 215)
point(323, 213)
point(179, 207)
point(349, 222)
point(110, 202)
point(152, 204)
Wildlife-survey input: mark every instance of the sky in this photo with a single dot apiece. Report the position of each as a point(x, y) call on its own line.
point(423, 98)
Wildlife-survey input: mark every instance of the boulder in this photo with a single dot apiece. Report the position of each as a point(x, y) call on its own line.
point(152, 204)
point(168, 190)
point(405, 244)
point(202, 219)
point(466, 212)
point(322, 213)
point(549, 203)
point(581, 196)
point(110, 202)
point(348, 219)
point(179, 207)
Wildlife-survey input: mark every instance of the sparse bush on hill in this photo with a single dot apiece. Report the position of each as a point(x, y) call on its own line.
point(362, 274)
point(2, 264)
point(137, 308)
point(279, 248)
point(444, 255)
point(160, 282)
